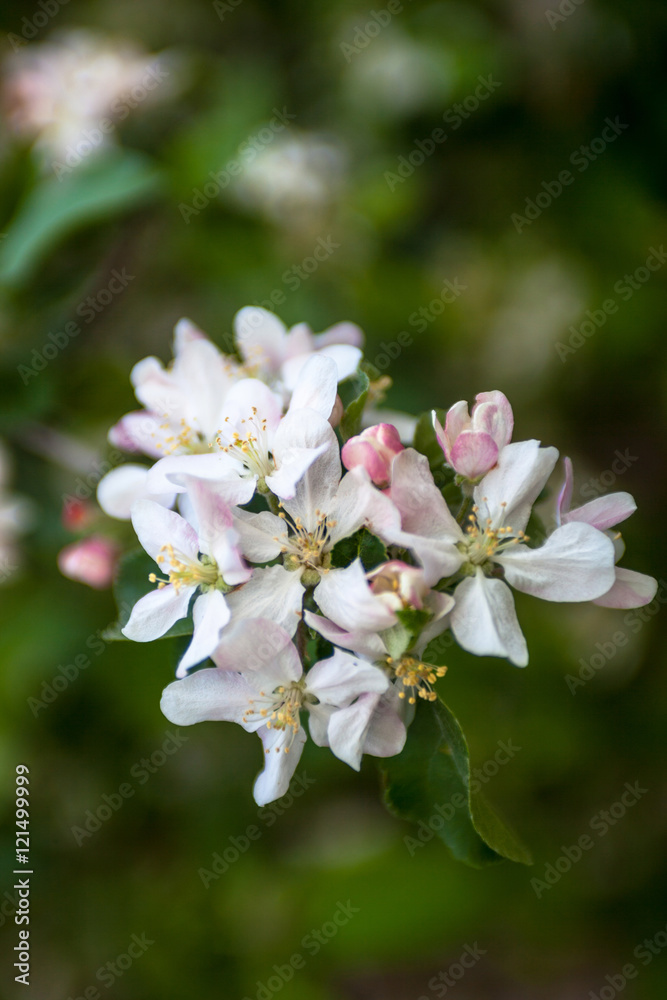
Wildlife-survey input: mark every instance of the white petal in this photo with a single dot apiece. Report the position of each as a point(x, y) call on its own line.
point(232, 482)
point(603, 512)
point(139, 431)
point(316, 386)
point(208, 695)
point(516, 481)
point(576, 563)
point(210, 615)
point(346, 357)
point(212, 515)
point(122, 487)
point(274, 593)
point(156, 612)
point(630, 590)
point(279, 765)
point(371, 725)
point(318, 486)
point(155, 527)
point(484, 619)
point(565, 496)
point(246, 396)
point(292, 457)
point(342, 677)
point(340, 333)
point(260, 337)
point(262, 650)
point(262, 535)
point(420, 502)
point(367, 644)
point(345, 597)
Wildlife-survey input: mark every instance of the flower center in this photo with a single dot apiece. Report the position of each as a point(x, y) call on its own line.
point(416, 677)
point(184, 572)
point(482, 544)
point(248, 442)
point(183, 439)
point(280, 709)
point(304, 549)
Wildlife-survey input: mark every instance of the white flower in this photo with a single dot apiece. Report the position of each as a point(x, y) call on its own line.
point(256, 446)
point(206, 562)
point(278, 355)
point(576, 563)
point(259, 683)
point(630, 589)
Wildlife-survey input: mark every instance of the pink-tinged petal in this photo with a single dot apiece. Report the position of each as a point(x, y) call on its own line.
point(316, 387)
point(139, 431)
point(499, 421)
point(367, 644)
point(155, 389)
point(576, 563)
point(185, 332)
point(404, 423)
point(507, 493)
point(280, 763)
point(317, 487)
point(603, 512)
point(340, 333)
point(228, 475)
point(299, 340)
point(630, 590)
point(422, 508)
point(565, 496)
point(91, 561)
point(357, 452)
point(210, 615)
point(120, 489)
point(342, 677)
point(371, 725)
point(262, 535)
point(347, 360)
point(156, 527)
point(345, 597)
point(440, 435)
point(274, 593)
point(156, 612)
point(226, 551)
point(260, 337)
point(457, 420)
point(318, 723)
point(473, 454)
point(212, 514)
point(208, 695)
point(484, 619)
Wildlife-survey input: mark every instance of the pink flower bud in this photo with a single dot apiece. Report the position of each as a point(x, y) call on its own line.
point(399, 585)
point(91, 561)
point(374, 449)
point(471, 443)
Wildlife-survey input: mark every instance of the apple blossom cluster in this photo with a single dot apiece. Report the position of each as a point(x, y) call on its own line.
point(316, 561)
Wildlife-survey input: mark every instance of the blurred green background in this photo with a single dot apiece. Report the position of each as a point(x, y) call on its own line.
point(345, 171)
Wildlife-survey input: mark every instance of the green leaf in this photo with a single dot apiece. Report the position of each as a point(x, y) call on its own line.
point(353, 392)
point(108, 184)
point(361, 545)
point(131, 584)
point(430, 781)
